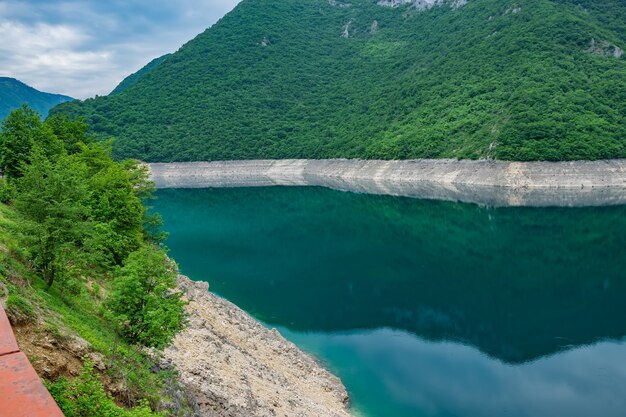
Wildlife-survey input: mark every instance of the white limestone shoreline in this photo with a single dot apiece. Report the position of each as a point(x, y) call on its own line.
point(493, 183)
point(235, 367)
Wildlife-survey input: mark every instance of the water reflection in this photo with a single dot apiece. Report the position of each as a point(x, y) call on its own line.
point(424, 307)
point(518, 283)
point(419, 377)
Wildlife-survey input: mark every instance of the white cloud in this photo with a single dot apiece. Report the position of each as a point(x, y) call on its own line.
point(48, 56)
point(38, 36)
point(85, 48)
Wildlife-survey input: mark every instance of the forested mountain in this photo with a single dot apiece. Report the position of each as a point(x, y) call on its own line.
point(133, 78)
point(14, 93)
point(507, 79)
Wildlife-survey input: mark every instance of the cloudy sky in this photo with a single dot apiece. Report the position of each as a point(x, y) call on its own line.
point(86, 47)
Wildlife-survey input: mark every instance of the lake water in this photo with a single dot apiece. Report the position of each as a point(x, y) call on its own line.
point(424, 308)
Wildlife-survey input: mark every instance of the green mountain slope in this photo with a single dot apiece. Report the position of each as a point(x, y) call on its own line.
point(524, 79)
point(133, 78)
point(14, 93)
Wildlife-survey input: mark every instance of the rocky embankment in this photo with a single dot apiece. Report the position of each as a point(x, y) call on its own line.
point(236, 367)
point(494, 183)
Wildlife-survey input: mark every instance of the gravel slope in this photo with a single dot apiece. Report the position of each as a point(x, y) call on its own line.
point(235, 367)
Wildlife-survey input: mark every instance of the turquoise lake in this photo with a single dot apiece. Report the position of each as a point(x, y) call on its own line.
point(423, 308)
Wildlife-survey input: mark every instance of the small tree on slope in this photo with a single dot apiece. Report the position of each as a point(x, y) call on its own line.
point(145, 304)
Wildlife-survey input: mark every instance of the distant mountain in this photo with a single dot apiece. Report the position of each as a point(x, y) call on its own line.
point(391, 79)
point(133, 78)
point(14, 93)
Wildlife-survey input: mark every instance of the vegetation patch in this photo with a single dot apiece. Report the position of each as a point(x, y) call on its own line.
point(19, 310)
point(82, 264)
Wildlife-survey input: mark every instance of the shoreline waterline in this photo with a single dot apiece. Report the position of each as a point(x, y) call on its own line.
point(234, 365)
point(491, 183)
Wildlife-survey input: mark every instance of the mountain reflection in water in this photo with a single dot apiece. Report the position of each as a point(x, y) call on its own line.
point(424, 307)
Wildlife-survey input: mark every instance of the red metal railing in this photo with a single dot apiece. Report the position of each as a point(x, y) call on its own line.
point(22, 393)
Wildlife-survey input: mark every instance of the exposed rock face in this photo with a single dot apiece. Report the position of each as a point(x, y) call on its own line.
point(422, 4)
point(235, 367)
point(335, 3)
point(513, 10)
point(374, 27)
point(346, 30)
point(605, 48)
point(457, 4)
point(493, 183)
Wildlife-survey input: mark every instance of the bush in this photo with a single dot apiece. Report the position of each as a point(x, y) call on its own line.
point(84, 396)
point(19, 310)
point(145, 304)
point(7, 191)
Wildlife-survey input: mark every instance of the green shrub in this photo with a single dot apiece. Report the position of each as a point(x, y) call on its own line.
point(144, 303)
point(19, 310)
point(7, 191)
point(84, 396)
point(95, 290)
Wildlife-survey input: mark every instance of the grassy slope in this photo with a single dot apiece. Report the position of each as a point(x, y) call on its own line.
point(51, 320)
point(509, 80)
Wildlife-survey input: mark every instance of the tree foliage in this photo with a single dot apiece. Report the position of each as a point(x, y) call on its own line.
point(144, 303)
point(53, 200)
point(80, 208)
point(22, 131)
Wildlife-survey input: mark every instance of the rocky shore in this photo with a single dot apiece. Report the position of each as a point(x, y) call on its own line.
point(236, 367)
point(493, 183)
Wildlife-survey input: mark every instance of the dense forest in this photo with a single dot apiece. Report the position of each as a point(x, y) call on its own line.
point(133, 78)
point(517, 80)
point(82, 264)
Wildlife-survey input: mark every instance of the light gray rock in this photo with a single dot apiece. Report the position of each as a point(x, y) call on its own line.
point(422, 4)
point(374, 27)
point(605, 49)
point(236, 367)
point(346, 29)
point(335, 3)
point(493, 183)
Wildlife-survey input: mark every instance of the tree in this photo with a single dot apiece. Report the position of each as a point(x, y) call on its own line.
point(145, 304)
point(22, 131)
point(72, 133)
point(144, 189)
point(115, 205)
point(53, 201)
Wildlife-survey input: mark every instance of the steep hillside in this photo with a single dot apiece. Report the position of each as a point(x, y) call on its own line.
point(14, 93)
point(72, 227)
point(133, 78)
point(513, 79)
